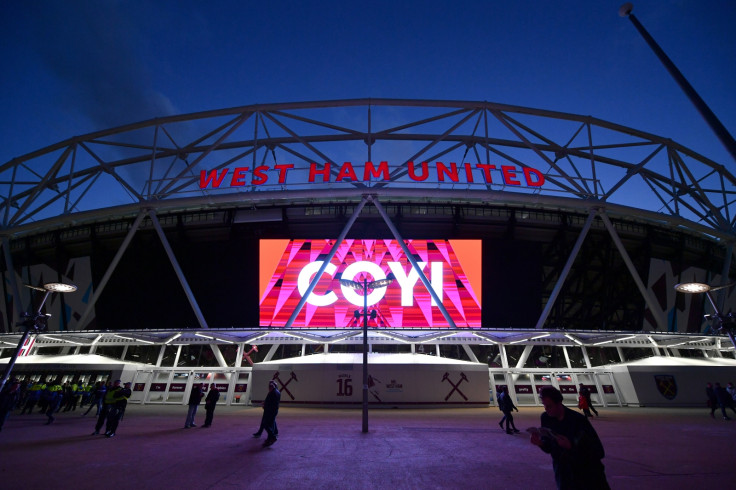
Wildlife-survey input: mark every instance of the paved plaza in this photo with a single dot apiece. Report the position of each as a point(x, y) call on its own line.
point(324, 448)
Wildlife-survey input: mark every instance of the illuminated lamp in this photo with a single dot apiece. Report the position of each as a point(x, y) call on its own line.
point(34, 323)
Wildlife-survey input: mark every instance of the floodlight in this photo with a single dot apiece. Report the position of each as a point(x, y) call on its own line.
point(692, 287)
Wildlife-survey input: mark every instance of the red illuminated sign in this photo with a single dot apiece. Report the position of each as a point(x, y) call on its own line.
point(483, 173)
point(404, 303)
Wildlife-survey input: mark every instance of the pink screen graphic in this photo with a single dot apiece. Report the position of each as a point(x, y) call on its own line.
point(453, 267)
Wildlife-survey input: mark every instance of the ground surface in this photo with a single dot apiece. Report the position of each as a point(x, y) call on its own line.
point(325, 448)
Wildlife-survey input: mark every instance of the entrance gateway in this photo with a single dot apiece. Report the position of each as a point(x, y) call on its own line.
point(448, 368)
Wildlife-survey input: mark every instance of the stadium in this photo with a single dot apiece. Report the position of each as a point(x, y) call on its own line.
point(478, 245)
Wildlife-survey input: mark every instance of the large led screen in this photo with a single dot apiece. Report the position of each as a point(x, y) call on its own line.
point(453, 268)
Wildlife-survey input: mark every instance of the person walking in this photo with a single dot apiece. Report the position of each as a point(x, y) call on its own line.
point(120, 402)
point(54, 396)
point(262, 427)
point(270, 410)
point(98, 395)
point(572, 442)
point(713, 401)
point(506, 404)
point(731, 389)
point(210, 402)
point(107, 405)
point(195, 398)
point(724, 400)
point(585, 391)
point(34, 395)
point(499, 400)
point(583, 405)
point(9, 398)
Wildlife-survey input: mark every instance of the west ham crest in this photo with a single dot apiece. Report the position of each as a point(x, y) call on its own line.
point(666, 385)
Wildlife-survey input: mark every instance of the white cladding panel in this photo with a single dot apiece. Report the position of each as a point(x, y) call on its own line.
point(454, 384)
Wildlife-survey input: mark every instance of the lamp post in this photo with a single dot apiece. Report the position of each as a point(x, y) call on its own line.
point(364, 287)
point(699, 288)
point(35, 323)
point(715, 124)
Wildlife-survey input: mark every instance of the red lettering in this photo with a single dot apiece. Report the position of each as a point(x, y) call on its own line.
point(238, 177)
point(509, 175)
point(538, 179)
point(486, 168)
point(325, 172)
point(346, 171)
point(206, 177)
point(468, 173)
point(414, 176)
point(450, 172)
point(259, 175)
point(371, 171)
point(282, 171)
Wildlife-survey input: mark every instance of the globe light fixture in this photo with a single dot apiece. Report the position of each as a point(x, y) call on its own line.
point(36, 322)
point(721, 323)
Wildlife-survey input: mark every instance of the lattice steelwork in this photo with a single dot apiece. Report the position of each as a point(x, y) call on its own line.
point(158, 163)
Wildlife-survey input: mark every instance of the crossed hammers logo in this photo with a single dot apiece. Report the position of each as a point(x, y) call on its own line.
point(446, 377)
point(246, 355)
point(284, 385)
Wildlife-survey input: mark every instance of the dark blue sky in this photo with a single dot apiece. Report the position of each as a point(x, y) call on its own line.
point(70, 68)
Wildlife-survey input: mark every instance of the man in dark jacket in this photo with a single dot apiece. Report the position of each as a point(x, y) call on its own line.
point(270, 410)
point(9, 397)
point(210, 403)
point(724, 400)
point(506, 405)
point(120, 402)
point(573, 443)
point(98, 396)
point(107, 405)
point(195, 398)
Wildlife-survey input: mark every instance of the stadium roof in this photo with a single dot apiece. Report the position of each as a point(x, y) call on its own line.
point(161, 164)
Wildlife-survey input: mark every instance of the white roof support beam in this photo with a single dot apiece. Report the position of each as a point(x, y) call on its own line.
point(333, 251)
point(177, 269)
point(17, 309)
point(414, 264)
point(651, 302)
point(566, 270)
point(110, 269)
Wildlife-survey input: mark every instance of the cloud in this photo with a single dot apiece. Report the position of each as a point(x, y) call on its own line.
point(95, 50)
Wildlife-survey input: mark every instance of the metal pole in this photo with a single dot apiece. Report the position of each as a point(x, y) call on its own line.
point(23, 338)
point(413, 263)
point(565, 270)
point(714, 123)
point(17, 299)
point(365, 354)
point(325, 263)
point(177, 269)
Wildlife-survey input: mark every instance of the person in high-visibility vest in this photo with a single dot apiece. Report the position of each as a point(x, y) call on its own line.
point(34, 394)
point(107, 404)
point(118, 409)
point(54, 394)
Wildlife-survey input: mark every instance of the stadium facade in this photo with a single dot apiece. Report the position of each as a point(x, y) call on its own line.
point(526, 248)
